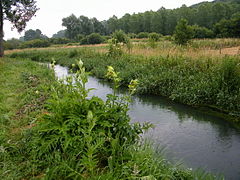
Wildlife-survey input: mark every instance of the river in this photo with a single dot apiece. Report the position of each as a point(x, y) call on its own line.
point(195, 138)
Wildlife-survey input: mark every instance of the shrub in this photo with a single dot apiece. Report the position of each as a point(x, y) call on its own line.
point(132, 35)
point(183, 32)
point(154, 36)
point(59, 40)
point(120, 37)
point(152, 39)
point(12, 44)
point(142, 35)
point(93, 38)
point(37, 43)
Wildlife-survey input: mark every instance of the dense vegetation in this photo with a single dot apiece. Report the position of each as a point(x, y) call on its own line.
point(52, 130)
point(196, 80)
point(163, 21)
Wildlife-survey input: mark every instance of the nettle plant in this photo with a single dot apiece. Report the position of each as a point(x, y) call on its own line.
point(79, 135)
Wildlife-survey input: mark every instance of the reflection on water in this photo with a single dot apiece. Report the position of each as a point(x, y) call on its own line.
point(198, 139)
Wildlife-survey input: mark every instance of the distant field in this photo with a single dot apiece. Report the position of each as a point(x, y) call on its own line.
point(197, 48)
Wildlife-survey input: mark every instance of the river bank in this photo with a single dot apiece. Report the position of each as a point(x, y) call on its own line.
point(210, 84)
point(27, 108)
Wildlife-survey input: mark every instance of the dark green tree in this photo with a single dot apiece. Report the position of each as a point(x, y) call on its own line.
point(18, 12)
point(202, 32)
point(183, 32)
point(60, 34)
point(73, 25)
point(33, 34)
point(228, 28)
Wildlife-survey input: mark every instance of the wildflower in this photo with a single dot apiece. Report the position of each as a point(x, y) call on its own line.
point(37, 92)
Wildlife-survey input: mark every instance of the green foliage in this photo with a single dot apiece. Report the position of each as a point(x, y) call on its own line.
point(60, 34)
point(183, 32)
point(154, 36)
point(115, 49)
point(197, 82)
point(142, 35)
point(202, 32)
point(93, 38)
point(33, 34)
point(84, 134)
point(81, 137)
point(228, 28)
point(27, 84)
point(132, 35)
point(12, 44)
point(35, 44)
point(59, 41)
point(162, 21)
point(25, 11)
point(152, 39)
point(120, 37)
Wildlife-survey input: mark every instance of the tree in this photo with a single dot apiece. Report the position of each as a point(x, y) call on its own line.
point(60, 34)
point(228, 28)
point(73, 25)
point(18, 12)
point(33, 34)
point(183, 32)
point(202, 32)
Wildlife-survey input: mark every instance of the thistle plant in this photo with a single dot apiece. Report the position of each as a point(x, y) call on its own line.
point(132, 87)
point(113, 76)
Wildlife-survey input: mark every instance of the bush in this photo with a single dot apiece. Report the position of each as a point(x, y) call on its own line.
point(132, 35)
point(12, 44)
point(120, 37)
point(59, 40)
point(93, 38)
point(154, 36)
point(37, 43)
point(142, 35)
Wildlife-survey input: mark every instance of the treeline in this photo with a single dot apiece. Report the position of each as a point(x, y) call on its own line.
point(206, 20)
point(205, 15)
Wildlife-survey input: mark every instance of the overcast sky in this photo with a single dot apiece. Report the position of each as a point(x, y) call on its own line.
point(49, 18)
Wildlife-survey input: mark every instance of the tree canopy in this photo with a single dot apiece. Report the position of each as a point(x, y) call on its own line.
point(204, 15)
point(18, 12)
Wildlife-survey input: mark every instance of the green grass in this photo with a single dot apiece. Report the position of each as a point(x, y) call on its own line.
point(22, 98)
point(51, 130)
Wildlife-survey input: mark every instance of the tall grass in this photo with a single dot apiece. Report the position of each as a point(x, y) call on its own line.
point(202, 81)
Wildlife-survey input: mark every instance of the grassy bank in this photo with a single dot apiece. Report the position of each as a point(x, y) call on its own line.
point(24, 90)
point(211, 82)
point(50, 130)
